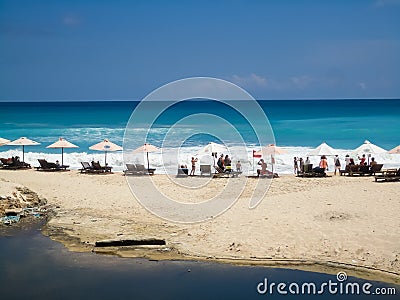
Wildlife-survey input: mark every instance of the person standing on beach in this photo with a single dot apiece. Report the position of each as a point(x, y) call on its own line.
point(347, 159)
point(301, 164)
point(194, 160)
point(238, 166)
point(295, 166)
point(337, 163)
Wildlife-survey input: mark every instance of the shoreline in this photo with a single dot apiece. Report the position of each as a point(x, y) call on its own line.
point(156, 254)
point(90, 208)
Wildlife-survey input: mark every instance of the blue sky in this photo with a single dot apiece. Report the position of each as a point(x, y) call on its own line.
point(122, 50)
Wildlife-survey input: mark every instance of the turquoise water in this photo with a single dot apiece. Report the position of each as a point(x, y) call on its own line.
point(34, 267)
point(343, 124)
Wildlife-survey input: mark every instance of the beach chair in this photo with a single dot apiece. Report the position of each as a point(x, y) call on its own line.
point(50, 166)
point(345, 171)
point(354, 170)
point(87, 168)
point(389, 175)
point(5, 162)
point(307, 171)
point(183, 172)
point(205, 170)
point(141, 168)
point(14, 164)
point(365, 170)
point(99, 169)
point(131, 169)
point(376, 169)
point(225, 173)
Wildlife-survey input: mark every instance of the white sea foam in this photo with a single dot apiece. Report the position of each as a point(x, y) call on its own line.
point(168, 160)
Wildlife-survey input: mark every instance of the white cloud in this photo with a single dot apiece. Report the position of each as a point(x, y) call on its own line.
point(71, 20)
point(298, 83)
point(381, 3)
point(250, 81)
point(362, 85)
point(302, 82)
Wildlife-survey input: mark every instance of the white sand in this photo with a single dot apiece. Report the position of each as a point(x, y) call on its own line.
point(345, 220)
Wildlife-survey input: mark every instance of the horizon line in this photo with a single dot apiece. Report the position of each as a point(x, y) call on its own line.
point(135, 100)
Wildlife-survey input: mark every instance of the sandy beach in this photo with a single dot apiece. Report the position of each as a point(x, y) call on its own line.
point(307, 223)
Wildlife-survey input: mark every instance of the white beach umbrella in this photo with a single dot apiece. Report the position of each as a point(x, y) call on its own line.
point(368, 148)
point(62, 143)
point(212, 148)
point(105, 146)
point(3, 141)
point(272, 150)
point(323, 149)
point(23, 141)
point(395, 150)
point(146, 148)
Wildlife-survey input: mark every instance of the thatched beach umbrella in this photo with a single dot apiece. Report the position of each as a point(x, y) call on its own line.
point(323, 149)
point(3, 141)
point(23, 141)
point(105, 146)
point(62, 143)
point(368, 148)
point(395, 150)
point(146, 148)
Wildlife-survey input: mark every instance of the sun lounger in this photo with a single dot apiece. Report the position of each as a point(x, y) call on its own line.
point(50, 166)
point(352, 170)
point(227, 173)
point(205, 170)
point(375, 169)
point(183, 172)
point(9, 163)
point(141, 168)
point(86, 167)
point(132, 170)
point(389, 175)
point(309, 171)
point(95, 168)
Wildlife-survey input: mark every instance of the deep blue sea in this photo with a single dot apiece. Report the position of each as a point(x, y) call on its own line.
point(298, 125)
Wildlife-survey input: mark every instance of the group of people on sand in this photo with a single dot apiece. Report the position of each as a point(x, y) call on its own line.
point(299, 164)
point(224, 163)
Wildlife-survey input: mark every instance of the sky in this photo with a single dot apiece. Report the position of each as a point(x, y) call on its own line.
point(123, 50)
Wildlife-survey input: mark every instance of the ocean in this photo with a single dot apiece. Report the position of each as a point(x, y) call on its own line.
point(298, 126)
